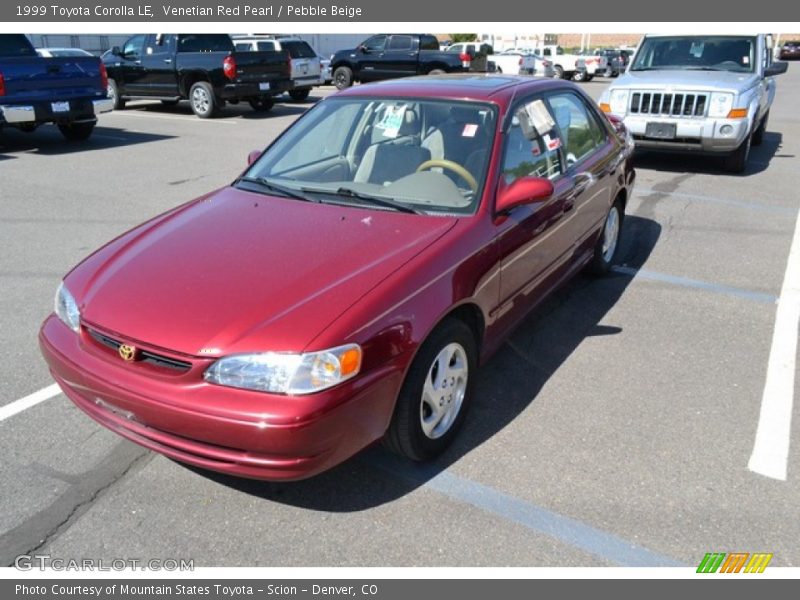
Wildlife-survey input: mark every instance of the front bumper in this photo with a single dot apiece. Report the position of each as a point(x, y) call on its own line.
point(42, 112)
point(703, 135)
point(239, 432)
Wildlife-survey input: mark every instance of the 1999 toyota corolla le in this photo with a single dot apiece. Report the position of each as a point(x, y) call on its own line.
point(345, 288)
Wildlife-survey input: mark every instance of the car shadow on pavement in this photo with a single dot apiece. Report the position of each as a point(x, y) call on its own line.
point(506, 387)
point(282, 108)
point(760, 159)
point(47, 140)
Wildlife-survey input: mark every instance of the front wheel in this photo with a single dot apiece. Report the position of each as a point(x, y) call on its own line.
point(605, 251)
point(76, 132)
point(558, 72)
point(436, 393)
point(580, 76)
point(737, 161)
point(262, 104)
point(204, 103)
point(758, 134)
point(343, 77)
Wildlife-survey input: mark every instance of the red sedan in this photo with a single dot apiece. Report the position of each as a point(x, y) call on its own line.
point(344, 288)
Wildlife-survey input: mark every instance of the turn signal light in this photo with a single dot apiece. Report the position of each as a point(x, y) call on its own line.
point(737, 113)
point(606, 108)
point(350, 361)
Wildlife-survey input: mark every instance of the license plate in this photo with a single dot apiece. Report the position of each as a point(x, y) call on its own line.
point(60, 106)
point(661, 131)
point(263, 86)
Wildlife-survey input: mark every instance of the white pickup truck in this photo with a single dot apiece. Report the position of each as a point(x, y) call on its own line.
point(511, 63)
point(566, 66)
point(707, 94)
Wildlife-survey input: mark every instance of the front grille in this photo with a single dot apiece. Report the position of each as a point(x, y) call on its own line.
point(668, 105)
point(145, 356)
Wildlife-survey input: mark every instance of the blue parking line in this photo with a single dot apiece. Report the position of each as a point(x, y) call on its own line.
point(781, 210)
point(563, 529)
point(697, 284)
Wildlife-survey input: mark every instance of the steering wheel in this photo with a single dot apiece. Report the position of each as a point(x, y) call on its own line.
point(451, 166)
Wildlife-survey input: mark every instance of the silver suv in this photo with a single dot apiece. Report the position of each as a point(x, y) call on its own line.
point(697, 93)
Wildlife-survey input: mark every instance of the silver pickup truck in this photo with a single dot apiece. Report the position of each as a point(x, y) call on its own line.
point(697, 93)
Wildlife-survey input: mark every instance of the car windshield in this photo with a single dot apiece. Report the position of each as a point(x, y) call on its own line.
point(704, 53)
point(415, 155)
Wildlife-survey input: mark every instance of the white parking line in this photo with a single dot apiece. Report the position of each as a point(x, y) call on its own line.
point(9, 410)
point(771, 449)
point(142, 115)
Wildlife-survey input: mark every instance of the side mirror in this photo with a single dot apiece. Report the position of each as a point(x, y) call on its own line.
point(525, 190)
point(363, 49)
point(777, 68)
point(116, 51)
point(253, 156)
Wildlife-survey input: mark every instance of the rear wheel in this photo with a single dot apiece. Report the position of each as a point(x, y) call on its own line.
point(558, 72)
point(76, 132)
point(609, 72)
point(436, 72)
point(113, 93)
point(436, 393)
point(758, 134)
point(343, 77)
point(605, 251)
point(580, 76)
point(204, 103)
point(299, 95)
point(262, 104)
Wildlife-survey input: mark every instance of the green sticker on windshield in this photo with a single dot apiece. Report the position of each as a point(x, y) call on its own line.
point(392, 120)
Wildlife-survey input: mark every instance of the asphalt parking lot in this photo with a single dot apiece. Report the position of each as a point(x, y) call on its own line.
point(614, 428)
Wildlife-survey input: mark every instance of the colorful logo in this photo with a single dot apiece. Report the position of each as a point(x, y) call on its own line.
point(735, 562)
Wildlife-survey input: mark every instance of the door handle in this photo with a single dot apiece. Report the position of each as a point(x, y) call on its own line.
point(168, 61)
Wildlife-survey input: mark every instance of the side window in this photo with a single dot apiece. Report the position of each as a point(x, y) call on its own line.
point(532, 144)
point(455, 48)
point(399, 42)
point(428, 42)
point(376, 43)
point(160, 43)
point(579, 131)
point(133, 47)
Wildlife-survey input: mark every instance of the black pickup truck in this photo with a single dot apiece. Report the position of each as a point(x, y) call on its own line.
point(203, 68)
point(388, 56)
point(68, 91)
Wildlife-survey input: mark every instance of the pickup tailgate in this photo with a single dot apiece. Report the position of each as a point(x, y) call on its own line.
point(36, 79)
point(253, 67)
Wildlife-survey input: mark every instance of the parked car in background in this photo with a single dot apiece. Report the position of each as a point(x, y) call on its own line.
point(388, 56)
point(616, 60)
point(203, 68)
point(512, 62)
point(706, 94)
point(325, 66)
point(596, 64)
point(565, 66)
point(306, 67)
point(253, 351)
point(790, 50)
point(69, 91)
point(56, 52)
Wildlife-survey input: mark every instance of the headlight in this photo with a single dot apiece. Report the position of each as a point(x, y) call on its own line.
point(618, 100)
point(720, 105)
point(66, 308)
point(283, 373)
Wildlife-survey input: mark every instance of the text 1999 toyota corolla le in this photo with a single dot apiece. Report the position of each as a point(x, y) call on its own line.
point(346, 286)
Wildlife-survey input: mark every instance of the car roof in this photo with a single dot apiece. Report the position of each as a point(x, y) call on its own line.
point(457, 86)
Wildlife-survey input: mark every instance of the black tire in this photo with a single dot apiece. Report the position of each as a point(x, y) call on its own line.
point(558, 72)
point(263, 104)
point(758, 134)
point(299, 95)
point(609, 72)
point(604, 256)
point(580, 76)
point(736, 162)
point(76, 132)
point(588, 77)
point(343, 77)
point(203, 101)
point(406, 435)
point(169, 102)
point(113, 93)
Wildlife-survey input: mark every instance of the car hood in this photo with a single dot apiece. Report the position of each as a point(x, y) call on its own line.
point(678, 79)
point(237, 271)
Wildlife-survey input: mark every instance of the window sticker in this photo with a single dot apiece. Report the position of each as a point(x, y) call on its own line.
point(697, 49)
point(392, 120)
point(553, 143)
point(470, 129)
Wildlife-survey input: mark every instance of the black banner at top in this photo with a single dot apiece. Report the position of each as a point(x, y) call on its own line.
point(388, 11)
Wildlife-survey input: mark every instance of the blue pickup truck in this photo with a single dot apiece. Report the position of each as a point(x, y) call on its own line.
point(68, 91)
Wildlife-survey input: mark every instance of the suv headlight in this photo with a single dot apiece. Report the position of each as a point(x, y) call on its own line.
point(66, 308)
point(618, 100)
point(284, 373)
point(720, 104)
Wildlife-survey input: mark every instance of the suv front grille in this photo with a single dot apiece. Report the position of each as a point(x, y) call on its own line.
point(668, 105)
point(145, 356)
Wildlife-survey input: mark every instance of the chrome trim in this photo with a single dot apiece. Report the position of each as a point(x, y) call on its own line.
point(18, 114)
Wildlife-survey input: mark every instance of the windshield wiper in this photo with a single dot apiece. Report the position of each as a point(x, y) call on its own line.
point(279, 189)
point(377, 200)
point(702, 69)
